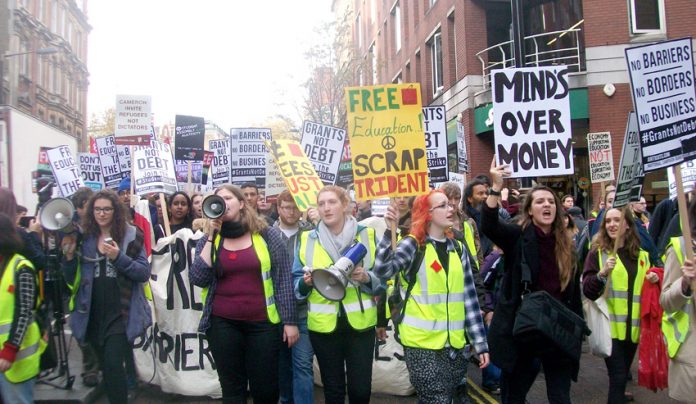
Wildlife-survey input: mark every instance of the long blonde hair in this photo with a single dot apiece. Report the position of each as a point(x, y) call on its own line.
point(564, 250)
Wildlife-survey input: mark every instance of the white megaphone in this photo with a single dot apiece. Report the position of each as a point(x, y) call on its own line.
point(213, 206)
point(57, 214)
point(332, 281)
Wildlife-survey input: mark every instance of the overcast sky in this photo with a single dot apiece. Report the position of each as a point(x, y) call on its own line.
point(232, 62)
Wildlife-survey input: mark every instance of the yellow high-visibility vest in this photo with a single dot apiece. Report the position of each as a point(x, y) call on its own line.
point(675, 326)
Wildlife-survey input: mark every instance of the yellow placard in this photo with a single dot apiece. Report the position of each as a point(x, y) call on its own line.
point(387, 142)
point(297, 171)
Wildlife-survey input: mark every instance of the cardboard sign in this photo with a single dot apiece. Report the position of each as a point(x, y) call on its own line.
point(532, 121)
point(133, 119)
point(387, 140)
point(248, 154)
point(90, 170)
point(65, 171)
point(323, 145)
point(435, 128)
point(630, 176)
point(664, 97)
point(189, 134)
point(153, 169)
point(221, 166)
point(601, 160)
point(297, 172)
point(124, 159)
point(108, 159)
point(462, 158)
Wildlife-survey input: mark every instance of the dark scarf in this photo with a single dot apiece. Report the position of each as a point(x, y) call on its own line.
point(232, 229)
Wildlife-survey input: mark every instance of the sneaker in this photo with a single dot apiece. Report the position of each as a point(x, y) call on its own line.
point(90, 379)
point(492, 388)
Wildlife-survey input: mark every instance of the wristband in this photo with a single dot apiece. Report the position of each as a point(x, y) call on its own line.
point(493, 192)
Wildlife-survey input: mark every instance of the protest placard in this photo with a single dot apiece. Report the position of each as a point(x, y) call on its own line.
point(124, 159)
point(297, 172)
point(248, 154)
point(65, 171)
point(153, 169)
point(462, 158)
point(274, 181)
point(688, 170)
point(323, 145)
point(435, 128)
point(387, 140)
point(182, 175)
point(189, 135)
point(689, 148)
point(133, 119)
point(90, 170)
point(345, 168)
point(207, 183)
point(532, 121)
point(630, 177)
point(108, 159)
point(664, 97)
point(220, 168)
point(601, 160)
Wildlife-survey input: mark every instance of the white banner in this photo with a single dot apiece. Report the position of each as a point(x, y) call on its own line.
point(133, 119)
point(664, 97)
point(153, 169)
point(220, 169)
point(108, 159)
point(124, 159)
point(323, 145)
point(90, 170)
point(65, 171)
point(532, 121)
point(248, 154)
point(630, 177)
point(601, 160)
point(435, 128)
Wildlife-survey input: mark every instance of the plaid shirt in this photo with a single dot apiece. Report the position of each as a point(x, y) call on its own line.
point(388, 263)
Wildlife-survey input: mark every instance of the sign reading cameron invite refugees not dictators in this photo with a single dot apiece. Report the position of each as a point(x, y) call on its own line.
point(387, 140)
point(532, 120)
point(133, 119)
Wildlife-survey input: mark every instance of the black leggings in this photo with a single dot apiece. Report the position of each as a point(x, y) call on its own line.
point(618, 366)
point(112, 356)
point(245, 351)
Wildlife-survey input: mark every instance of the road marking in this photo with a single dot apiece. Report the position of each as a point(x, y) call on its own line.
point(489, 399)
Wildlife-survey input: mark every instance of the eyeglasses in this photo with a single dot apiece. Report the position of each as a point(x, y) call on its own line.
point(444, 205)
point(105, 211)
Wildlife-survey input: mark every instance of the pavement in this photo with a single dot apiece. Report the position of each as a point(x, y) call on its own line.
point(592, 387)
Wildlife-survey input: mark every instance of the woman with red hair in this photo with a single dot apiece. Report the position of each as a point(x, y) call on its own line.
point(441, 313)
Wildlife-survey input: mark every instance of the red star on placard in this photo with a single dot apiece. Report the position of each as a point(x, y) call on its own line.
point(436, 266)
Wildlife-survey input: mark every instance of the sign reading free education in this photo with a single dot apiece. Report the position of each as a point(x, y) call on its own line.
point(153, 169)
point(435, 128)
point(189, 135)
point(297, 172)
point(532, 121)
point(108, 158)
point(601, 161)
point(664, 97)
point(248, 154)
point(630, 179)
point(133, 119)
point(91, 170)
point(387, 141)
point(65, 171)
point(323, 145)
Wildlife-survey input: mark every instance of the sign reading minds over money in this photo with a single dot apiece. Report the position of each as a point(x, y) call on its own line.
point(65, 170)
point(297, 172)
point(220, 168)
point(189, 135)
point(630, 176)
point(532, 121)
point(323, 145)
point(435, 128)
point(248, 153)
point(133, 119)
point(601, 160)
point(153, 169)
point(664, 97)
point(90, 170)
point(108, 159)
point(387, 140)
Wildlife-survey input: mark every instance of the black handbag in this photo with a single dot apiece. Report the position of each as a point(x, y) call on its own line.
point(543, 323)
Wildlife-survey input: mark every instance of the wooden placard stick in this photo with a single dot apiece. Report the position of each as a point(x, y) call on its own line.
point(165, 216)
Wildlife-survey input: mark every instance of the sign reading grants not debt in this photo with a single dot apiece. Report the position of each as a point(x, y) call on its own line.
point(532, 121)
point(387, 141)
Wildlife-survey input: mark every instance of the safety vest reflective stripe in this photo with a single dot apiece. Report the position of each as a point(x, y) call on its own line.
point(353, 307)
point(322, 308)
point(5, 328)
point(27, 351)
point(675, 326)
point(433, 325)
point(439, 298)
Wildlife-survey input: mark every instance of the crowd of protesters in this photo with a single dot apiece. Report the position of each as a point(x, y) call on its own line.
point(451, 282)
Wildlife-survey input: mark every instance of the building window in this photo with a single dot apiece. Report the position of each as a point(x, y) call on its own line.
point(78, 44)
point(396, 12)
point(358, 31)
point(40, 10)
point(647, 16)
point(398, 79)
point(436, 62)
point(54, 18)
point(373, 63)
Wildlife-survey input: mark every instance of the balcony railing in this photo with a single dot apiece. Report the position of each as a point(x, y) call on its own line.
point(545, 49)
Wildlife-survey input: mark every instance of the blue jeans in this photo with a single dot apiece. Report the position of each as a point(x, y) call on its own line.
point(297, 380)
point(490, 375)
point(20, 393)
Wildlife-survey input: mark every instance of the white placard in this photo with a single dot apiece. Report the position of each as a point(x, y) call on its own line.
point(435, 129)
point(274, 181)
point(153, 169)
point(379, 206)
point(90, 170)
point(323, 145)
point(133, 119)
point(688, 169)
point(108, 159)
point(248, 154)
point(65, 170)
point(664, 97)
point(601, 160)
point(532, 121)
point(124, 159)
point(220, 169)
point(630, 176)
point(462, 158)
